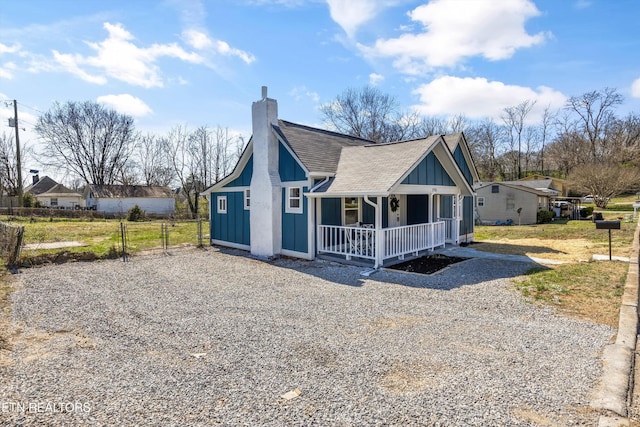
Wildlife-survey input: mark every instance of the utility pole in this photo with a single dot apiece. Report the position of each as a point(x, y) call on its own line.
point(18, 160)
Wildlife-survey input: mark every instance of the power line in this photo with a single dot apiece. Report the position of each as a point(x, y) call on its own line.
point(31, 108)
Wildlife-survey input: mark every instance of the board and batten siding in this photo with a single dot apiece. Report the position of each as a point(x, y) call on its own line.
point(232, 226)
point(429, 172)
point(295, 226)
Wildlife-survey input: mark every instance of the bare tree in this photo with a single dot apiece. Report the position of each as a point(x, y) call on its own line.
point(88, 139)
point(458, 123)
point(548, 118)
point(594, 112)
point(514, 118)
point(199, 158)
point(433, 126)
point(177, 149)
point(8, 165)
point(151, 157)
point(605, 181)
point(486, 141)
point(624, 139)
point(367, 113)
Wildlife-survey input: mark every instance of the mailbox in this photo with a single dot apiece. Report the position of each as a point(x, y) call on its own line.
point(607, 225)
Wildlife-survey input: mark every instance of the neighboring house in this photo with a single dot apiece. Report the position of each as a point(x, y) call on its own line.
point(40, 185)
point(118, 199)
point(301, 191)
point(548, 183)
point(498, 202)
point(60, 197)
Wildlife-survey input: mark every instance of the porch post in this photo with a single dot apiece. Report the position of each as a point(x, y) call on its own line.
point(455, 222)
point(430, 208)
point(378, 250)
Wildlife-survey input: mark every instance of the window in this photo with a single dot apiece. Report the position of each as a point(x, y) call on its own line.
point(495, 188)
point(54, 201)
point(247, 199)
point(351, 210)
point(480, 202)
point(222, 204)
point(294, 200)
point(511, 203)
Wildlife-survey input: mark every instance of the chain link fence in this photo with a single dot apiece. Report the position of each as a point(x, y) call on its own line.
point(61, 240)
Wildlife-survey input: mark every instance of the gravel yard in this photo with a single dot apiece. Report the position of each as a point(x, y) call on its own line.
point(215, 337)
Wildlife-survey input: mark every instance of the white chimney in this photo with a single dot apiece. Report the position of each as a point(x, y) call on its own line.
point(266, 189)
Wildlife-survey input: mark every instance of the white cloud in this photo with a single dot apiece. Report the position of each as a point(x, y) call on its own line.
point(9, 49)
point(375, 78)
point(126, 104)
point(70, 64)
point(635, 88)
point(201, 41)
point(488, 28)
point(6, 70)
point(478, 98)
point(582, 4)
point(350, 14)
point(118, 57)
point(197, 39)
point(300, 92)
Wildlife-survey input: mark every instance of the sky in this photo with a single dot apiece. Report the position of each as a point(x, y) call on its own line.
point(203, 62)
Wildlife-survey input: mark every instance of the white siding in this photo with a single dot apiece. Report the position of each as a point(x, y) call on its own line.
point(148, 204)
point(495, 205)
point(67, 202)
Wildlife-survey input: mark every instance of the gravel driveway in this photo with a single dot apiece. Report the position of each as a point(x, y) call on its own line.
point(214, 337)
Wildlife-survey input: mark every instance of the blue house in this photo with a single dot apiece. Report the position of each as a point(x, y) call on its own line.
point(303, 192)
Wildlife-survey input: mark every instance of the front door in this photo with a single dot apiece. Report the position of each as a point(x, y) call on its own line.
point(396, 209)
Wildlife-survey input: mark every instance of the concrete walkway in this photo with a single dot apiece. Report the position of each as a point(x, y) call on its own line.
point(467, 252)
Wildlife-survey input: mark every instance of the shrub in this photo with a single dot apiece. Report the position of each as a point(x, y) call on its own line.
point(585, 212)
point(625, 208)
point(544, 216)
point(135, 214)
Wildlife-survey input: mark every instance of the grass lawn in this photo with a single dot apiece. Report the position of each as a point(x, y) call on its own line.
point(579, 287)
point(101, 238)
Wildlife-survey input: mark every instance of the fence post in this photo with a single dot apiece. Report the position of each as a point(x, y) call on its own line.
point(123, 236)
point(200, 232)
point(164, 236)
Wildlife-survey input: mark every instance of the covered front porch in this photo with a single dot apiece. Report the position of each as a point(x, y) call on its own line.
point(386, 229)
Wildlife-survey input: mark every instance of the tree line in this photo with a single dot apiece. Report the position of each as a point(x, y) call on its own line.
point(586, 142)
point(96, 145)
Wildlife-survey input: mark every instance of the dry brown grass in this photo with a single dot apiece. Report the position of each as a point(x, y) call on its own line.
point(578, 288)
point(568, 250)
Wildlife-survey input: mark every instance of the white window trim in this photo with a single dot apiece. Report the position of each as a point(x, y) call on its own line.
point(293, 210)
point(222, 204)
point(480, 202)
point(247, 199)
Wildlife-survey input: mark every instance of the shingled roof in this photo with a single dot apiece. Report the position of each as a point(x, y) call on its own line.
point(122, 191)
point(44, 184)
point(318, 150)
point(377, 167)
point(60, 190)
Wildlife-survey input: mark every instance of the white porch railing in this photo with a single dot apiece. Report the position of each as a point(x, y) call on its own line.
point(348, 241)
point(449, 232)
point(411, 239)
point(396, 242)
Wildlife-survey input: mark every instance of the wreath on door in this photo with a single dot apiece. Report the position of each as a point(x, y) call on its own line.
point(394, 203)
